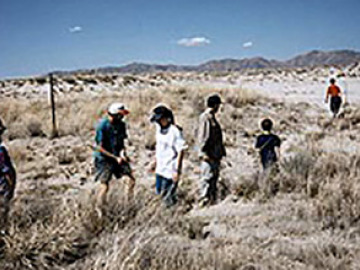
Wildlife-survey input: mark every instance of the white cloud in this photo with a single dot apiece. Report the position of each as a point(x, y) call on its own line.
point(75, 29)
point(193, 42)
point(248, 44)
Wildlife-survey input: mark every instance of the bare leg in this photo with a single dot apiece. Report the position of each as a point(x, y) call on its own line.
point(131, 187)
point(101, 199)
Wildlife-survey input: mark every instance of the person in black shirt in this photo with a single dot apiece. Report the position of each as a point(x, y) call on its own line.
point(211, 150)
point(268, 145)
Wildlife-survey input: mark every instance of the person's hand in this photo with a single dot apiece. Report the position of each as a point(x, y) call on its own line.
point(326, 100)
point(152, 167)
point(176, 177)
point(205, 158)
point(119, 160)
point(9, 181)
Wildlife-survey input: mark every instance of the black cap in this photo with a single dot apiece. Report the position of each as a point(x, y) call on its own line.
point(2, 127)
point(160, 112)
point(213, 101)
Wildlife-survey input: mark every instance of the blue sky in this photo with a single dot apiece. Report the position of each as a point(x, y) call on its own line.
point(38, 36)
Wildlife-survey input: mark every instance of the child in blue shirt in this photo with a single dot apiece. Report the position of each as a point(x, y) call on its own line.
point(268, 145)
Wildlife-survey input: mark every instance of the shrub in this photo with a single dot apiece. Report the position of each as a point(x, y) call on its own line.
point(296, 170)
point(34, 128)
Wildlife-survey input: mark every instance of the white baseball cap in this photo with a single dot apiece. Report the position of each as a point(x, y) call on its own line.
point(118, 108)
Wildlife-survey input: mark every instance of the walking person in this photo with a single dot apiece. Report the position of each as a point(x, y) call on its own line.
point(334, 93)
point(170, 147)
point(7, 181)
point(211, 150)
point(268, 145)
point(110, 151)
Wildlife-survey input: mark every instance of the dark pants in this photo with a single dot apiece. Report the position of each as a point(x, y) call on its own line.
point(335, 103)
point(106, 169)
point(268, 163)
point(210, 171)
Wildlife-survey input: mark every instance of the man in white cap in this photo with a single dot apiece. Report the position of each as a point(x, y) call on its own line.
point(110, 154)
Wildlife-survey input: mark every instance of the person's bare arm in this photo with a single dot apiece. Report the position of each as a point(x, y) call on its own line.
point(327, 96)
point(340, 92)
point(278, 152)
point(152, 166)
point(179, 162)
point(100, 149)
point(123, 155)
point(9, 180)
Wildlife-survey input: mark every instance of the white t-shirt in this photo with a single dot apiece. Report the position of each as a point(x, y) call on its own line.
point(168, 147)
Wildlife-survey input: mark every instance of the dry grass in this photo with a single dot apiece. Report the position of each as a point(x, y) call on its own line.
point(305, 216)
point(32, 119)
point(49, 233)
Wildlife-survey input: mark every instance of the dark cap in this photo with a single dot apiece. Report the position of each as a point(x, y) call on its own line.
point(213, 101)
point(160, 112)
point(2, 127)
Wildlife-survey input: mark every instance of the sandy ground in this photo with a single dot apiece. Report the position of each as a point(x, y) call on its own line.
point(311, 92)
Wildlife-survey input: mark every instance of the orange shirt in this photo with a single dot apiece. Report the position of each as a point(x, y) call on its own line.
point(333, 91)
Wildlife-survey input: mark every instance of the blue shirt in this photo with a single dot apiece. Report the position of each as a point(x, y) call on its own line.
point(267, 143)
point(110, 136)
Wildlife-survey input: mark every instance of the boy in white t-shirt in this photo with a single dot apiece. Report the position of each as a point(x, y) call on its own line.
point(170, 147)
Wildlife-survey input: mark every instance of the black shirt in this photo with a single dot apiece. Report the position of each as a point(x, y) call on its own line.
point(267, 143)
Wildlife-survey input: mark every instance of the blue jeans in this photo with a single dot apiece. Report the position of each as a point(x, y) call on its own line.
point(162, 184)
point(166, 188)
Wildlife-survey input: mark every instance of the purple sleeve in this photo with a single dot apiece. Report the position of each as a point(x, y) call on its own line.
point(4, 161)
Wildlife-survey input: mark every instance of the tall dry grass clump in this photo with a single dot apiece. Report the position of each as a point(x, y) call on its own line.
point(71, 232)
point(47, 232)
point(331, 180)
point(339, 190)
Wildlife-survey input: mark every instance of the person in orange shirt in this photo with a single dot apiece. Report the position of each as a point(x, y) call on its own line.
point(335, 97)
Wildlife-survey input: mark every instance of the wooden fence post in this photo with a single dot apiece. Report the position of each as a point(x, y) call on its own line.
point(54, 132)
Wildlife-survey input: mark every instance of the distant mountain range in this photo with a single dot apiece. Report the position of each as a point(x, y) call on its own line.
point(310, 59)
